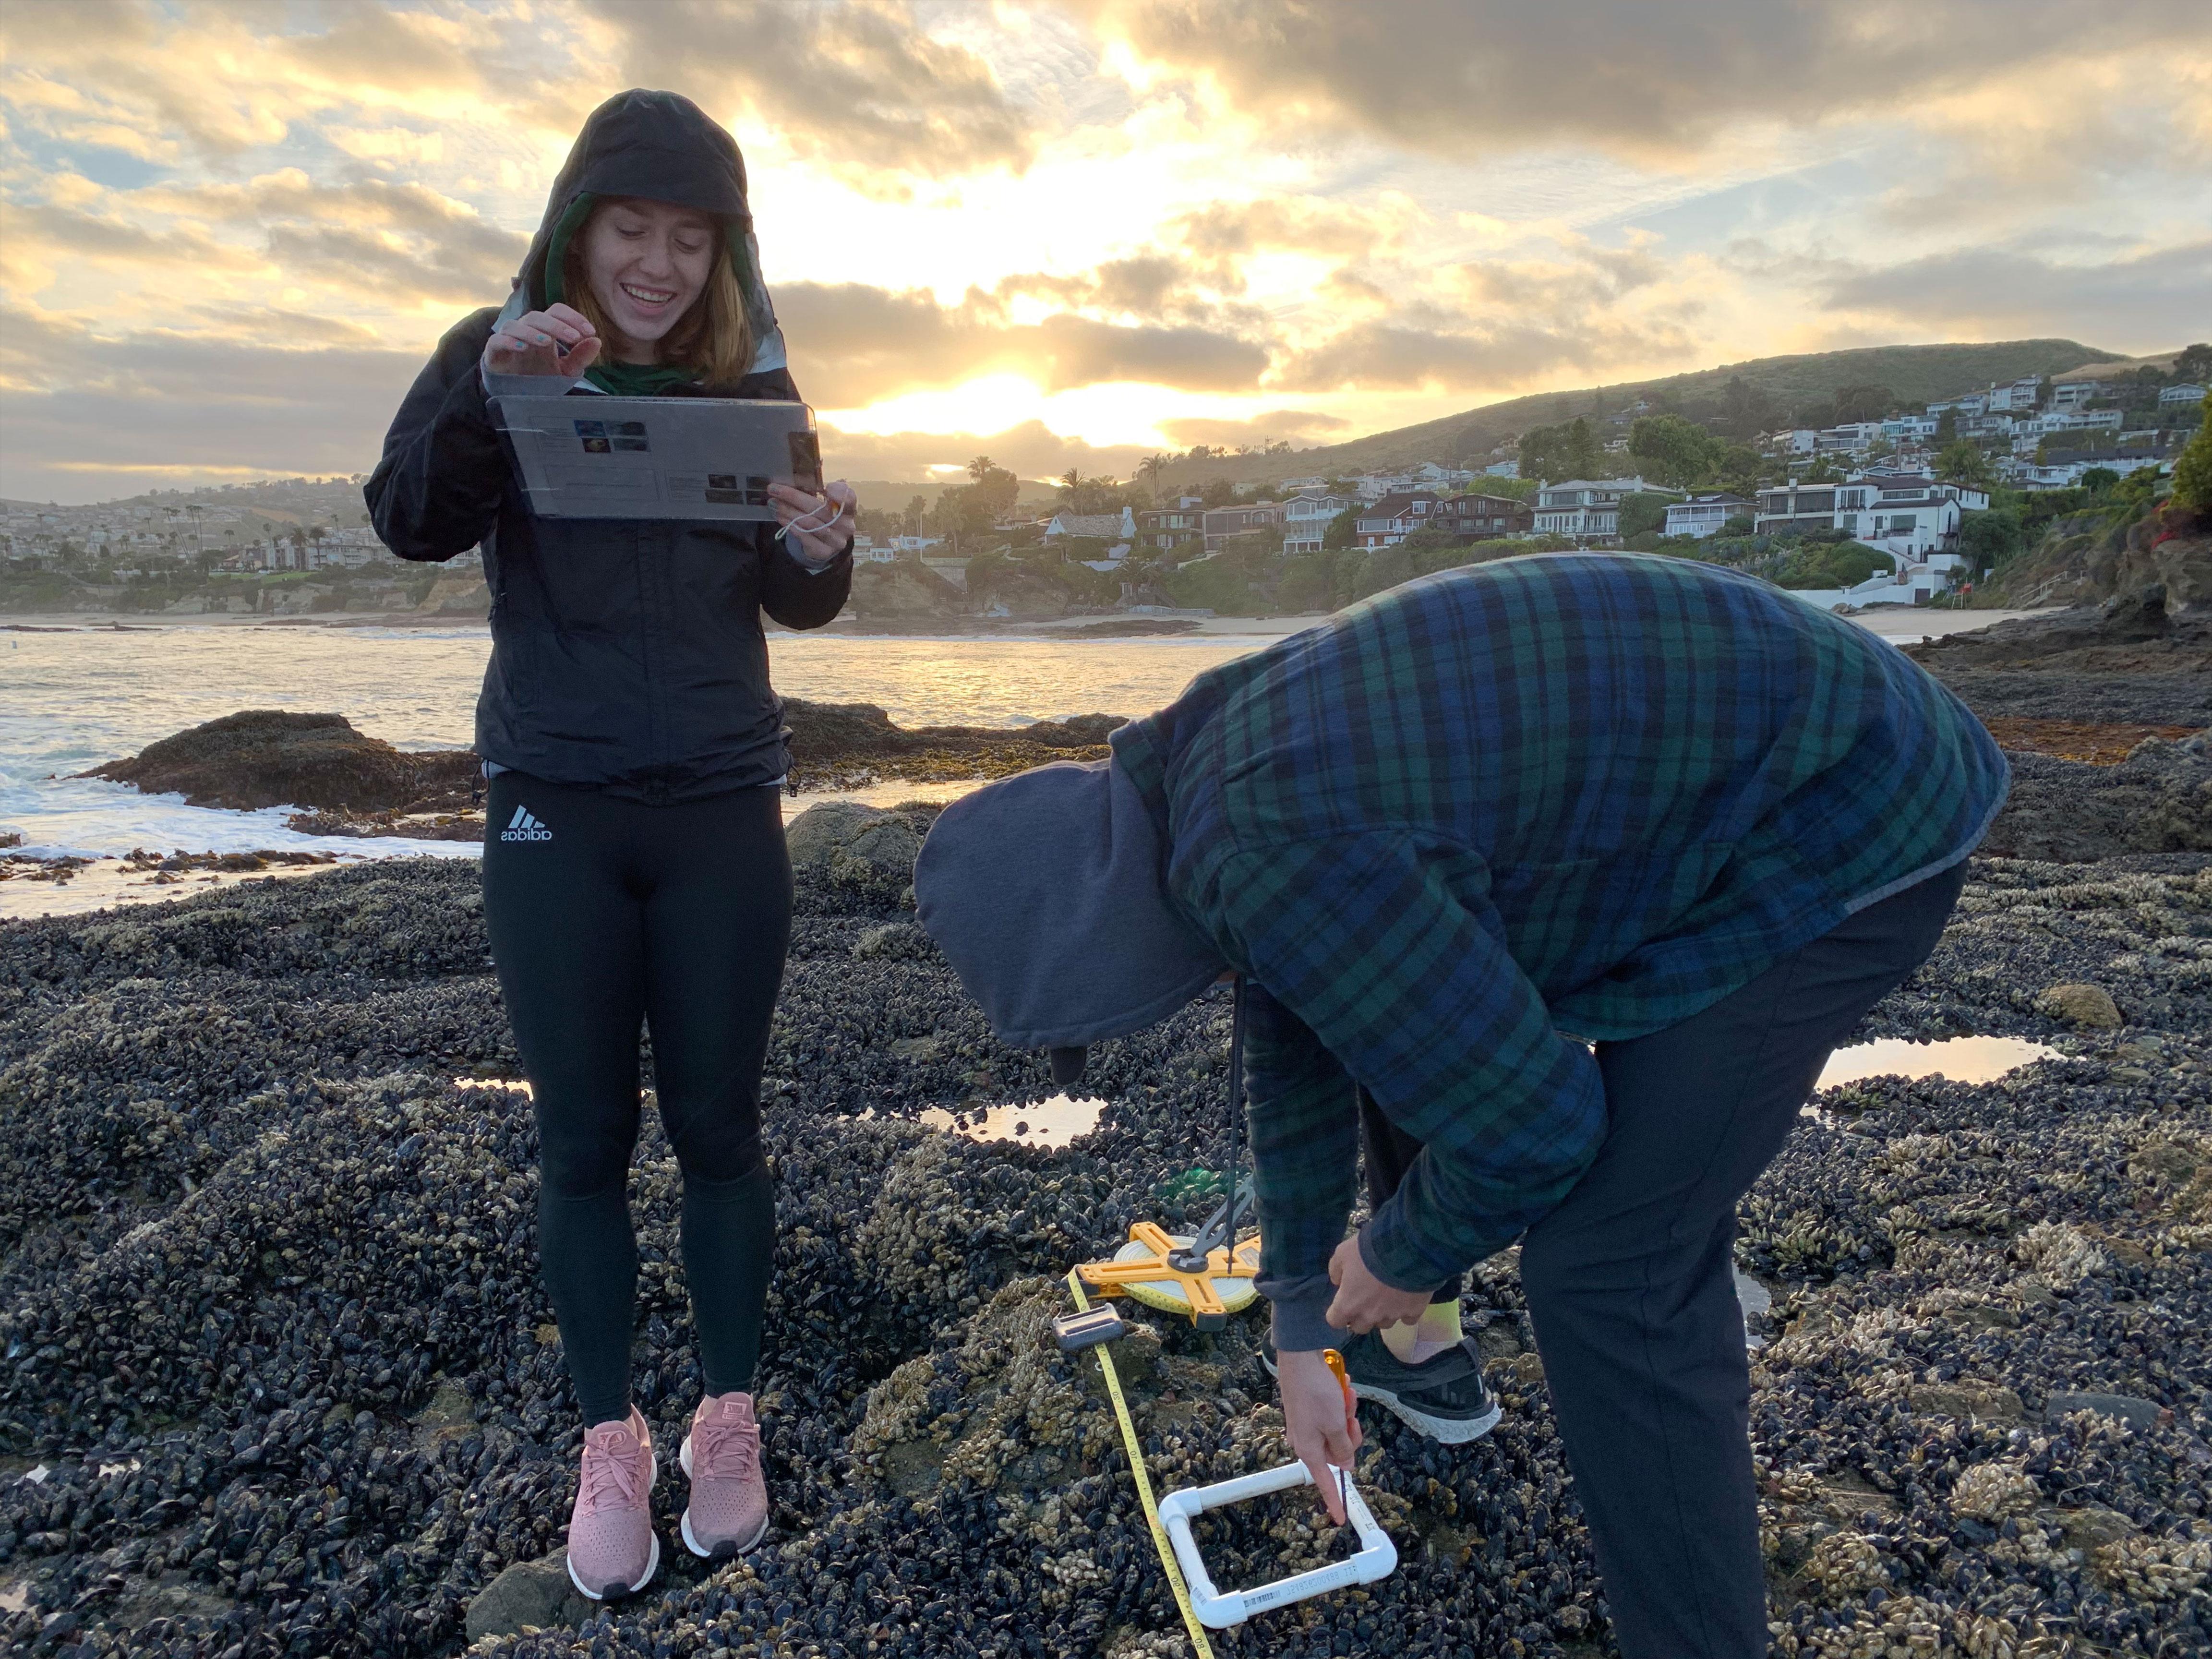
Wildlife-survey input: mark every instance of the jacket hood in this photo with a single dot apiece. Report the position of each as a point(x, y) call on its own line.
point(662, 146)
point(1044, 892)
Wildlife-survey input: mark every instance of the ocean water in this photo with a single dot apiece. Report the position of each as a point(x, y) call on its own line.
point(72, 699)
point(73, 695)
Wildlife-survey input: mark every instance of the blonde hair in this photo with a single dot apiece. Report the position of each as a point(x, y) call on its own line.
point(715, 335)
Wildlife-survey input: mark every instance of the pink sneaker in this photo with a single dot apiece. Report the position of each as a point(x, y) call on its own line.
point(612, 1548)
point(728, 1511)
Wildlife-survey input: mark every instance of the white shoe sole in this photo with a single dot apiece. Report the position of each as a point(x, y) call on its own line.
point(1448, 1431)
point(691, 1543)
point(652, 1566)
point(1451, 1430)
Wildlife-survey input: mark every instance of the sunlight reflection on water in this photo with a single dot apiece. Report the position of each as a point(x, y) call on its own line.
point(1053, 1122)
point(1961, 1060)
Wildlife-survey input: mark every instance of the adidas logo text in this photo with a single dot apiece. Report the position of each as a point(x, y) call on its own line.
point(525, 826)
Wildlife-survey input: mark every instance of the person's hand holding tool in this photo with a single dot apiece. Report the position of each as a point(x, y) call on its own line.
point(1319, 1420)
point(1364, 1303)
point(816, 527)
point(558, 340)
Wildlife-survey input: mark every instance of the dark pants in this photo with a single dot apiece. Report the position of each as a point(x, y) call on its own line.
point(607, 915)
point(1631, 1285)
point(1390, 1152)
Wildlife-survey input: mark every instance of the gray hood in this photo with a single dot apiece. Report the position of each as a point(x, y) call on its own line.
point(1043, 890)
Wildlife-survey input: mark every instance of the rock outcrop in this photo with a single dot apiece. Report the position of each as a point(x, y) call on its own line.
point(273, 757)
point(2159, 800)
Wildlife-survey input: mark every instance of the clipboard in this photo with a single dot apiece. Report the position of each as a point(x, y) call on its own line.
point(601, 457)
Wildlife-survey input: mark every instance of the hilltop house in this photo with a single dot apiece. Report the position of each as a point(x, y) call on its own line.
point(1587, 509)
point(1702, 516)
point(1899, 513)
point(1307, 517)
point(1483, 517)
point(1220, 522)
point(1171, 529)
point(1393, 518)
point(1120, 525)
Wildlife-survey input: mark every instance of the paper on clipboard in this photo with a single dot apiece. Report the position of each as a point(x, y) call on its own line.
point(602, 457)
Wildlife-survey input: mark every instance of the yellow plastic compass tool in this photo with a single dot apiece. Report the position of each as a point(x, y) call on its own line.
point(1207, 1276)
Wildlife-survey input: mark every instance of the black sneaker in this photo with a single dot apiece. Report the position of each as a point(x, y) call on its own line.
point(1442, 1397)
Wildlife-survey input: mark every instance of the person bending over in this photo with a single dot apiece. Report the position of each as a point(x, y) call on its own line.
point(634, 870)
point(1574, 868)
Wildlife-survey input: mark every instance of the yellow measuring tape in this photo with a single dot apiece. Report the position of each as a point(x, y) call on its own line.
point(1198, 1641)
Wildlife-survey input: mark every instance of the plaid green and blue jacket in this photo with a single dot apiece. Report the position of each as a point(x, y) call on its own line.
point(1481, 817)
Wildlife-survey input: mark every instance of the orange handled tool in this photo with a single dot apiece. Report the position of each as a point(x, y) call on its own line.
point(1335, 1361)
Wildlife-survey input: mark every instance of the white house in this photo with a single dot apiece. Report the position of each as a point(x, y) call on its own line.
point(1307, 517)
point(2074, 394)
point(1908, 517)
point(1909, 429)
point(2069, 420)
point(866, 551)
point(1098, 526)
point(1501, 469)
point(2180, 394)
point(2064, 475)
point(2025, 394)
point(1429, 475)
point(1374, 486)
point(1588, 510)
point(1703, 515)
point(1852, 437)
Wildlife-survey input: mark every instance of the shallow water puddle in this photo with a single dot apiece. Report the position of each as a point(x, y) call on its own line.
point(1961, 1060)
point(1053, 1122)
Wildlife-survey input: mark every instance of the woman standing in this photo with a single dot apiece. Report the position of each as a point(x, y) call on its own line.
point(634, 870)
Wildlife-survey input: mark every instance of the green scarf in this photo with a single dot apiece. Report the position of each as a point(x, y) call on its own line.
point(623, 380)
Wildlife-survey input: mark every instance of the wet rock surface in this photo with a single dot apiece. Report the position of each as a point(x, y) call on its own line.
point(2127, 661)
point(2159, 800)
point(273, 1346)
point(272, 757)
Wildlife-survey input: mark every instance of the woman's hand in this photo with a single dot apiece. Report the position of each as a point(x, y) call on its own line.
point(1364, 1303)
point(532, 343)
point(1321, 1429)
point(825, 522)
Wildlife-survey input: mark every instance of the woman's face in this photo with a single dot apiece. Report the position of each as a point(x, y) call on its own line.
point(647, 263)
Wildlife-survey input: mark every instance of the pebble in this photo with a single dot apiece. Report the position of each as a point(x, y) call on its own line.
point(272, 1323)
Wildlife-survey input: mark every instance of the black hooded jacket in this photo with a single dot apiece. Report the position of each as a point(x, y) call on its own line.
point(627, 656)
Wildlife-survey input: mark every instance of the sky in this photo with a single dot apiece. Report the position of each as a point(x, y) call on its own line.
point(1078, 232)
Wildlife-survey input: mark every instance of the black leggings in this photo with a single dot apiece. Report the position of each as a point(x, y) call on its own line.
point(604, 915)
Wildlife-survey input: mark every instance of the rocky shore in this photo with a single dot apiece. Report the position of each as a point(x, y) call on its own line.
point(278, 1376)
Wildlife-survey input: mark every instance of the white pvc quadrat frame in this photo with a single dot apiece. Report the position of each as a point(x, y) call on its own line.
point(1217, 1609)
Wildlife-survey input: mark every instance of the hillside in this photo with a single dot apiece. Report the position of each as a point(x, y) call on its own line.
point(1915, 374)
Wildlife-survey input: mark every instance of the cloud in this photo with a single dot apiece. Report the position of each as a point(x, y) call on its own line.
point(1031, 450)
point(1256, 433)
point(853, 343)
point(858, 84)
point(2152, 300)
point(42, 242)
point(401, 244)
point(152, 398)
point(1374, 355)
point(1465, 77)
